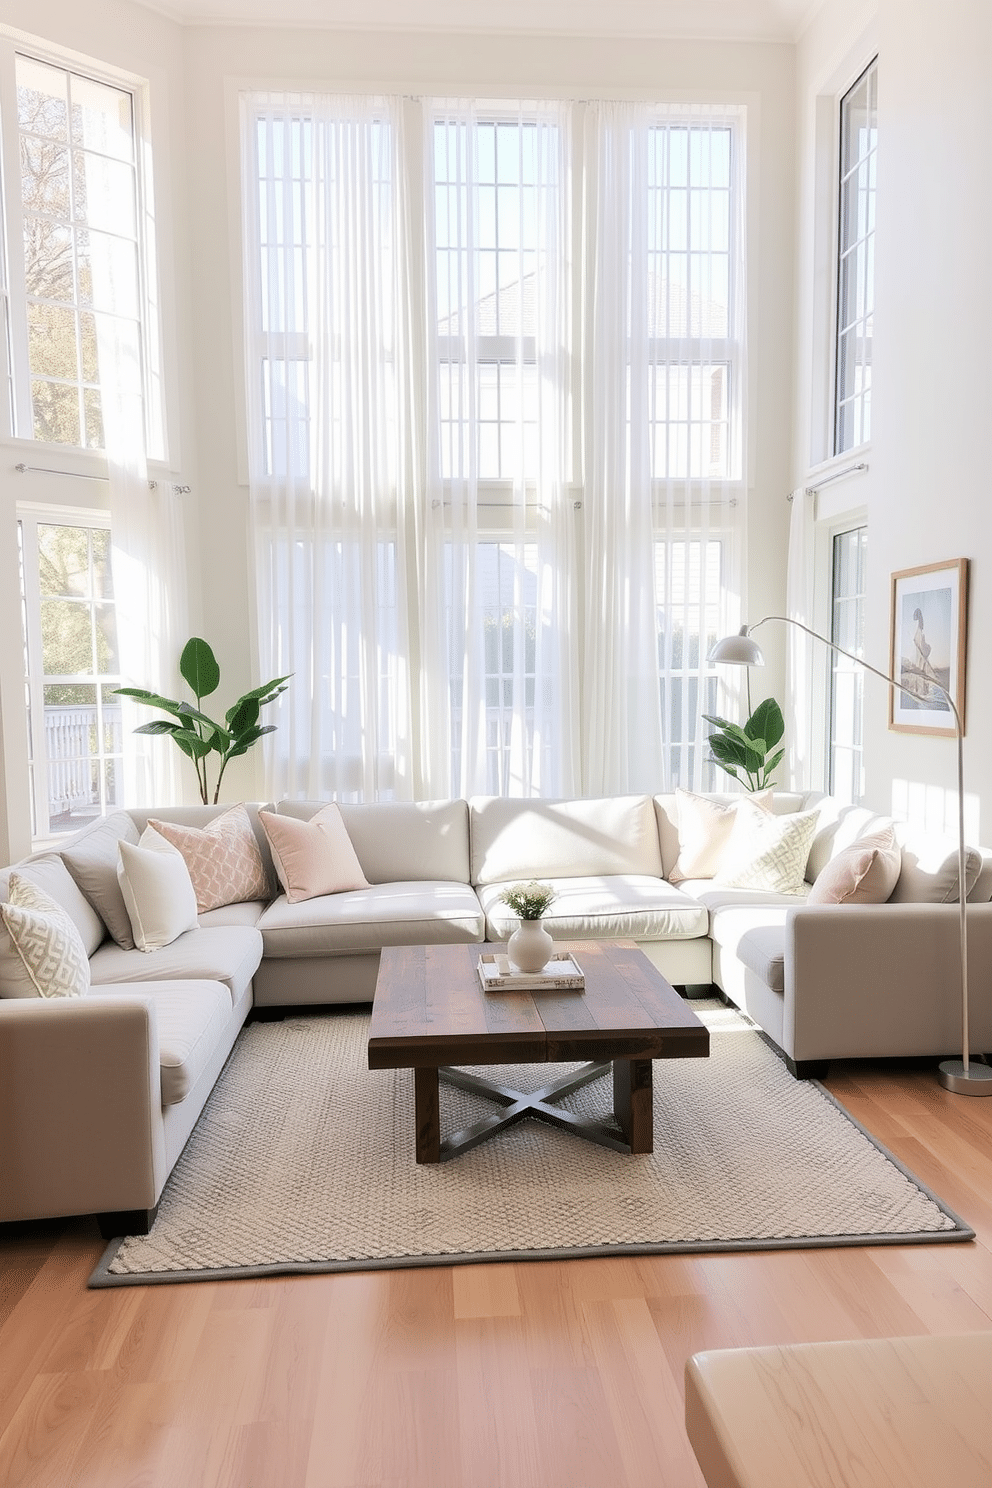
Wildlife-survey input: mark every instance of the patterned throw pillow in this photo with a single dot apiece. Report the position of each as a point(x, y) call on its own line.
point(41, 951)
point(768, 852)
point(223, 858)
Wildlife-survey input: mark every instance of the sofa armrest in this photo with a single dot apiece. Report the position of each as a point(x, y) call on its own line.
point(877, 980)
point(80, 1106)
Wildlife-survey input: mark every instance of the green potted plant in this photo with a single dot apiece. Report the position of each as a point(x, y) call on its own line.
point(749, 754)
point(194, 733)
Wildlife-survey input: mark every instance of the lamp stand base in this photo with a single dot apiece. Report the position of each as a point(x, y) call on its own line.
point(977, 1080)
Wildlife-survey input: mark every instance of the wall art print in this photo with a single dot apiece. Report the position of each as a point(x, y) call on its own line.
point(928, 645)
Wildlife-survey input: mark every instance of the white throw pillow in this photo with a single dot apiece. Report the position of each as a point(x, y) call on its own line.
point(158, 891)
point(768, 852)
point(313, 857)
point(41, 951)
point(705, 827)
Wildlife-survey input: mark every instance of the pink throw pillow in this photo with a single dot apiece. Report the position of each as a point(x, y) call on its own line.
point(864, 873)
point(223, 858)
point(313, 857)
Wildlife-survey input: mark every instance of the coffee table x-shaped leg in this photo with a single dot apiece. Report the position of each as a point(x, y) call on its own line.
point(632, 1108)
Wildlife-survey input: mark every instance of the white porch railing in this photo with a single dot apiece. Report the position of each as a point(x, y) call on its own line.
point(74, 755)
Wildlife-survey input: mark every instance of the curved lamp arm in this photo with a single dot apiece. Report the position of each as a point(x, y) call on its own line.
point(741, 650)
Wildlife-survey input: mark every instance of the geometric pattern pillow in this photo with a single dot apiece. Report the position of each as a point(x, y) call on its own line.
point(768, 852)
point(41, 951)
point(223, 858)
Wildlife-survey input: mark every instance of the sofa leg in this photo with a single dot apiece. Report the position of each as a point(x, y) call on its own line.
point(807, 1069)
point(126, 1222)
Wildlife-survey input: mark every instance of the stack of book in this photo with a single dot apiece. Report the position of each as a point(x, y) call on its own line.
point(562, 973)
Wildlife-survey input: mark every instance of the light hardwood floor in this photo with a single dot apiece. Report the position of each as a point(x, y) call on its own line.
point(499, 1376)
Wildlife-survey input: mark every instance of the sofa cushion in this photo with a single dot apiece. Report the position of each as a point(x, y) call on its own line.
point(864, 873)
point(228, 954)
point(929, 873)
point(48, 871)
point(762, 951)
point(313, 857)
point(223, 857)
point(616, 907)
point(158, 892)
point(41, 951)
point(767, 852)
point(705, 827)
point(522, 839)
point(419, 912)
point(191, 1019)
point(401, 841)
point(92, 860)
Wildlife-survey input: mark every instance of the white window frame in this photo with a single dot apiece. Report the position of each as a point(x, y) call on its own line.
point(16, 419)
point(840, 666)
point(846, 246)
point(30, 518)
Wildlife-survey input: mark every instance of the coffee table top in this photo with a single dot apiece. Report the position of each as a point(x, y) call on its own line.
point(430, 1010)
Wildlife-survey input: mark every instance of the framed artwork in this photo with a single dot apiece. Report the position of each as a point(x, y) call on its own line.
point(927, 646)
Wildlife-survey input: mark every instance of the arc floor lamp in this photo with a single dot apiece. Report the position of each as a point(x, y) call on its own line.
point(964, 1076)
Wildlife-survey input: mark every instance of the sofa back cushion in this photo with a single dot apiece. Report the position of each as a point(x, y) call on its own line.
point(523, 839)
point(838, 828)
point(930, 867)
point(92, 860)
point(49, 873)
point(402, 841)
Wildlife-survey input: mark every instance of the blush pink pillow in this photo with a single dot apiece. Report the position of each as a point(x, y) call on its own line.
point(223, 858)
point(313, 857)
point(864, 873)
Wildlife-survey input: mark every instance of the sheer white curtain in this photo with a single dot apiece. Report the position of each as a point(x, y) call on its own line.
point(332, 439)
point(146, 526)
point(664, 358)
point(498, 345)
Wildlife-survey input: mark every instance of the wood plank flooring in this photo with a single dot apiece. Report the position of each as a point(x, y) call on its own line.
point(497, 1376)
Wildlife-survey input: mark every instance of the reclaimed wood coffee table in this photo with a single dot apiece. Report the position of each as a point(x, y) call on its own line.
point(431, 1014)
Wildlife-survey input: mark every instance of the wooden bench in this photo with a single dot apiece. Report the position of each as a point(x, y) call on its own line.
point(905, 1412)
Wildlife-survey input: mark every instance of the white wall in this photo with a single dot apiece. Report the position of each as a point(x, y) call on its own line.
point(194, 74)
point(926, 493)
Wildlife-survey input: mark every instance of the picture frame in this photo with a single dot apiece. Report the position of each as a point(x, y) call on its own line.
point(927, 646)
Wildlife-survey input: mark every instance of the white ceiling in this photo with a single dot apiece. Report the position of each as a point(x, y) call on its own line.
point(765, 20)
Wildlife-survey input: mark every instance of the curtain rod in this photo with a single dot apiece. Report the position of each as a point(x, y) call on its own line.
point(836, 475)
point(23, 469)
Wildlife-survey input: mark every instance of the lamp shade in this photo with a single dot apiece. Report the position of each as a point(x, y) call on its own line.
point(737, 650)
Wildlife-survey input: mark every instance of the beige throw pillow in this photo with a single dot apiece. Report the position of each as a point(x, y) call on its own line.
point(41, 951)
point(313, 857)
point(223, 858)
point(704, 832)
point(864, 873)
point(768, 852)
point(158, 891)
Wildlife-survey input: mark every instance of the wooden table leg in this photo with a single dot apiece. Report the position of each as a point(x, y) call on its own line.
point(633, 1102)
point(427, 1106)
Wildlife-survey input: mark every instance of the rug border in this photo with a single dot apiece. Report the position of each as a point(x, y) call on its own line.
point(103, 1277)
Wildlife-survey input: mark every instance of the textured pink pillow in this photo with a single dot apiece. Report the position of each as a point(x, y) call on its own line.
point(223, 858)
point(313, 857)
point(864, 873)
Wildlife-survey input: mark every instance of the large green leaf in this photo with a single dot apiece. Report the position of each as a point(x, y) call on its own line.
point(766, 722)
point(244, 743)
point(198, 667)
point(243, 716)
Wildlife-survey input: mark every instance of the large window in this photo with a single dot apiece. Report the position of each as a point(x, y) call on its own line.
point(856, 261)
point(71, 669)
point(78, 219)
point(846, 748)
point(507, 336)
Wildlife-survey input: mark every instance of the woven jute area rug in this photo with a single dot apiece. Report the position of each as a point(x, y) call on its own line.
point(303, 1161)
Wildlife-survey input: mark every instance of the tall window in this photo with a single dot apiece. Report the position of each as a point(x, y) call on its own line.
point(847, 630)
point(856, 261)
point(71, 669)
point(78, 205)
point(427, 367)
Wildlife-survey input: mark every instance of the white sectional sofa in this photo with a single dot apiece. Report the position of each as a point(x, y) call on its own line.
point(99, 1093)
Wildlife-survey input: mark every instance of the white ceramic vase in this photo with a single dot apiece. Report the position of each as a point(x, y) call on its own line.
point(529, 947)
